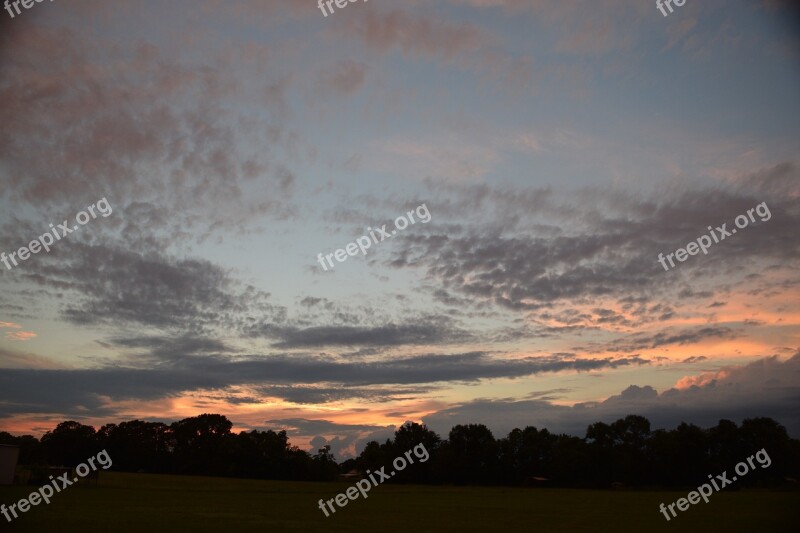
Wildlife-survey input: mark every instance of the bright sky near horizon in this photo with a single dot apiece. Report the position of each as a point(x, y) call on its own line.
point(559, 147)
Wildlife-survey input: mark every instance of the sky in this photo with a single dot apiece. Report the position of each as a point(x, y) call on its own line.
point(548, 151)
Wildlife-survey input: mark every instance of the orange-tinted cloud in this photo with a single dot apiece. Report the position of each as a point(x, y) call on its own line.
point(20, 335)
point(16, 335)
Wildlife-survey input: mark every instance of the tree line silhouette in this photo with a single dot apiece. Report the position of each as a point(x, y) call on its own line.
point(624, 452)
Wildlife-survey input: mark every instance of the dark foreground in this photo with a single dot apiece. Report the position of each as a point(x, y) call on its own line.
point(153, 503)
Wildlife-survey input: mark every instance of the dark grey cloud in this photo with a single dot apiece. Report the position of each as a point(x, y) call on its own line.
point(83, 390)
point(690, 337)
point(310, 301)
point(602, 244)
point(597, 317)
point(321, 394)
point(424, 331)
point(667, 337)
point(151, 291)
point(167, 348)
point(113, 285)
point(190, 296)
point(695, 359)
point(99, 280)
point(766, 387)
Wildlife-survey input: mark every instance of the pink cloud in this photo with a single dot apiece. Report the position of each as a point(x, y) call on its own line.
point(414, 35)
point(20, 335)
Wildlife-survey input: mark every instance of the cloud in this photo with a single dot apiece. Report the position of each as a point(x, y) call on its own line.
point(138, 124)
point(320, 394)
point(92, 390)
point(345, 440)
point(695, 359)
point(346, 77)
point(17, 359)
point(159, 349)
point(766, 387)
point(153, 289)
point(666, 337)
point(422, 332)
point(20, 335)
point(203, 128)
point(414, 34)
point(605, 29)
point(527, 258)
point(16, 335)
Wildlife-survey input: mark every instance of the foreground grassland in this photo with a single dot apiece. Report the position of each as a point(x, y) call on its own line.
point(154, 503)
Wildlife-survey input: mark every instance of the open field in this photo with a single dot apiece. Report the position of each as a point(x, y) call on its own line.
point(154, 503)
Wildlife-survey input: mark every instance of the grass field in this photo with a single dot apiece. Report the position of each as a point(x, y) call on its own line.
point(154, 503)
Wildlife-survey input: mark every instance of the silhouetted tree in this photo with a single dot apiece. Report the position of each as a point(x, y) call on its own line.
point(69, 444)
point(407, 438)
point(725, 446)
point(526, 453)
point(261, 454)
point(625, 450)
point(138, 445)
point(630, 436)
point(766, 433)
point(600, 438)
point(570, 461)
point(375, 456)
point(471, 454)
point(325, 467)
point(200, 444)
point(680, 456)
